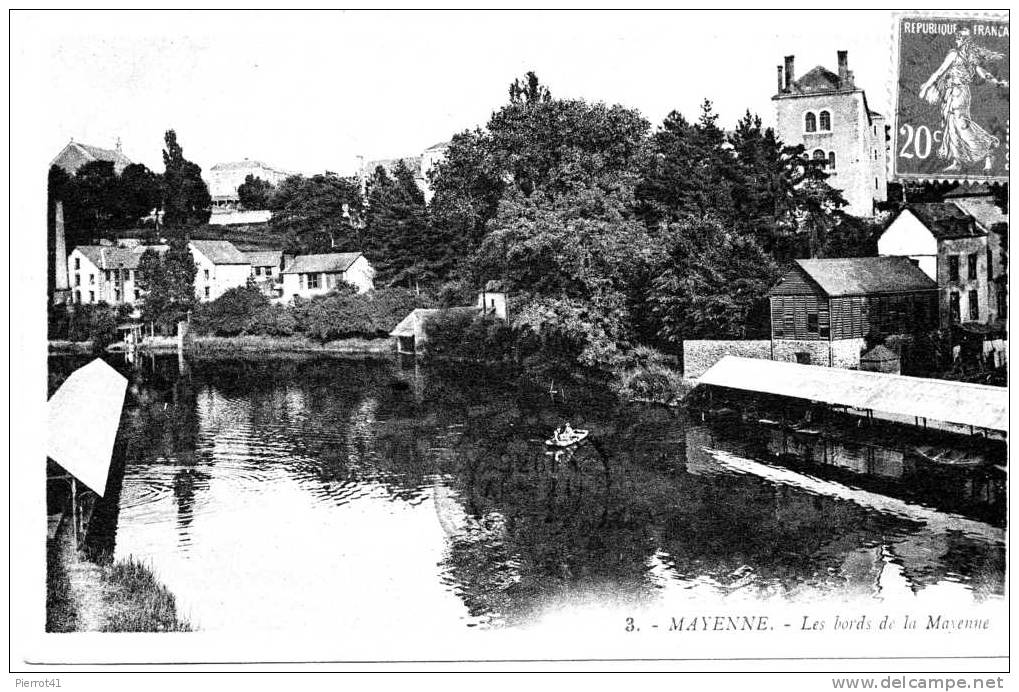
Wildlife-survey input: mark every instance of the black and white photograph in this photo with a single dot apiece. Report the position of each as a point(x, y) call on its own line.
point(590, 340)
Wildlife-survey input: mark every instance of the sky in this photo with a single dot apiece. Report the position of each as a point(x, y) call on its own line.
point(310, 91)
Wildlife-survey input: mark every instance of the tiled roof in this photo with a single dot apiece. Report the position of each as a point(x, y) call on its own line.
point(220, 251)
point(265, 258)
point(246, 164)
point(818, 79)
point(866, 275)
point(946, 220)
point(332, 262)
point(440, 145)
point(117, 257)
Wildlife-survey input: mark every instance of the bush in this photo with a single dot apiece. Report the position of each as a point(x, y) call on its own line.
point(468, 334)
point(96, 323)
point(388, 306)
point(273, 320)
point(230, 314)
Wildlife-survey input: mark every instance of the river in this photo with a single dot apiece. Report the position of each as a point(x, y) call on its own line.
point(299, 493)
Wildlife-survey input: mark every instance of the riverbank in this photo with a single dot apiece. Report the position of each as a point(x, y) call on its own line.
point(82, 596)
point(238, 344)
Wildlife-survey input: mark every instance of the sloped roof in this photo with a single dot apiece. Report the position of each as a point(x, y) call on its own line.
point(264, 258)
point(93, 153)
point(983, 210)
point(879, 354)
point(117, 257)
point(410, 324)
point(220, 251)
point(962, 403)
point(331, 262)
point(439, 145)
point(83, 417)
point(246, 164)
point(818, 79)
point(946, 220)
point(865, 275)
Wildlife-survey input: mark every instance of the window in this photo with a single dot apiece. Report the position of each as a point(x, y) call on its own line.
point(812, 322)
point(990, 264)
point(1002, 303)
point(971, 267)
point(91, 296)
point(77, 280)
point(875, 183)
point(77, 297)
point(258, 271)
point(206, 291)
point(268, 271)
point(116, 295)
point(77, 263)
point(974, 307)
point(831, 160)
point(91, 279)
point(825, 121)
point(953, 307)
point(312, 280)
point(810, 122)
point(206, 274)
point(953, 267)
point(137, 294)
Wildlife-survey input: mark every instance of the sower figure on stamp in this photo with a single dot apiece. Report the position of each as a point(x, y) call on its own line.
point(963, 142)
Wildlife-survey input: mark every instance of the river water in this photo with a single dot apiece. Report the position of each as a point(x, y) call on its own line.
point(298, 493)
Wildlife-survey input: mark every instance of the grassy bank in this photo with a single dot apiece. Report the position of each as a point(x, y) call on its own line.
point(64, 346)
point(292, 344)
point(82, 596)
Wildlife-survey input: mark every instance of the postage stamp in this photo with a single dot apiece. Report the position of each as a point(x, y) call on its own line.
point(951, 99)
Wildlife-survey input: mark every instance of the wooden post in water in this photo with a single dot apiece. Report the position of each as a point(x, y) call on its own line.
point(74, 512)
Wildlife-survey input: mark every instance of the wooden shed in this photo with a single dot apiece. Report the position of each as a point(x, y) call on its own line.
point(833, 299)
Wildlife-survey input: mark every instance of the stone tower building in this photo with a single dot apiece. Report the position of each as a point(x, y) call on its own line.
point(828, 114)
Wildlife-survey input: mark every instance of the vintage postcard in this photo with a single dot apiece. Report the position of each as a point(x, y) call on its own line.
point(473, 340)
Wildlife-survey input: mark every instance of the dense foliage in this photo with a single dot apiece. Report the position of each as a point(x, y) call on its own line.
point(322, 213)
point(344, 313)
point(168, 282)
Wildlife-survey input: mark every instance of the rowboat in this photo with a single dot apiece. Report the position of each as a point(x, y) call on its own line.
point(568, 440)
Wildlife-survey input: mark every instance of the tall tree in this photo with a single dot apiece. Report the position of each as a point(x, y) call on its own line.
point(398, 234)
point(323, 213)
point(168, 280)
point(186, 199)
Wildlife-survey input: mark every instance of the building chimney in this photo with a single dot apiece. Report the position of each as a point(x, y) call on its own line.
point(118, 145)
point(781, 86)
point(844, 78)
point(60, 250)
point(790, 76)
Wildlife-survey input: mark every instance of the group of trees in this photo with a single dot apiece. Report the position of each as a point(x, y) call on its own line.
point(616, 235)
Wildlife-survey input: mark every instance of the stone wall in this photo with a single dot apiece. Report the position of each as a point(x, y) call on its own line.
point(698, 356)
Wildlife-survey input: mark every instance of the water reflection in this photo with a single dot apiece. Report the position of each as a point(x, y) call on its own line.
point(331, 490)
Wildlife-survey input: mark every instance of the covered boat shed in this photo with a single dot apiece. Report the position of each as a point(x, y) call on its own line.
point(955, 406)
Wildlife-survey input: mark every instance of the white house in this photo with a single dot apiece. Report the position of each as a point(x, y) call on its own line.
point(267, 270)
point(105, 273)
point(312, 275)
point(221, 266)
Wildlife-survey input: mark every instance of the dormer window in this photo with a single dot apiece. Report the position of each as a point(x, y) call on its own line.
point(810, 122)
point(825, 118)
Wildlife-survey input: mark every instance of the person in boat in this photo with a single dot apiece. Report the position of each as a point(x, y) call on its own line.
point(567, 431)
point(556, 434)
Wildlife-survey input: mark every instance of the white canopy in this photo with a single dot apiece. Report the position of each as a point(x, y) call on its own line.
point(979, 405)
point(84, 415)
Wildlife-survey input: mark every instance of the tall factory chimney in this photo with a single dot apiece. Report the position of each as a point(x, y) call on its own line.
point(60, 280)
